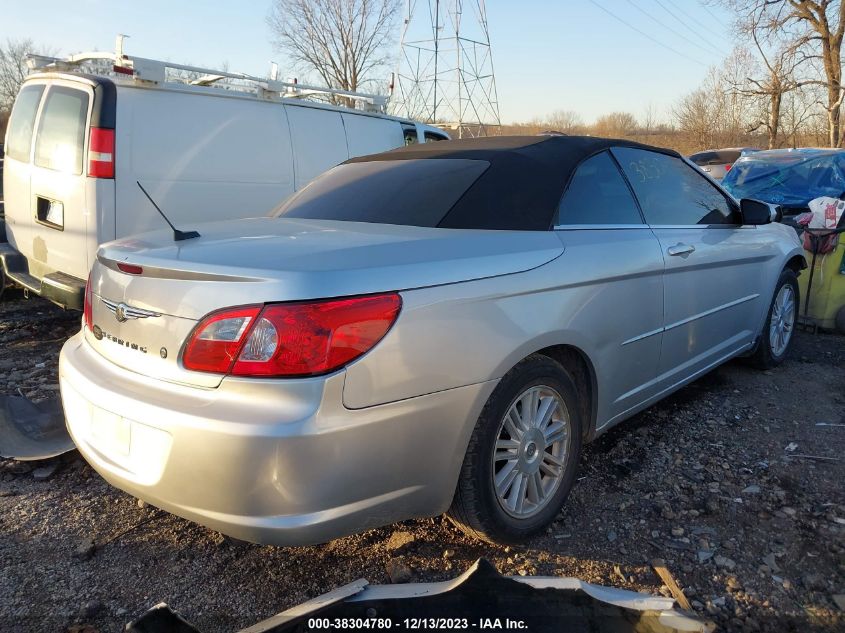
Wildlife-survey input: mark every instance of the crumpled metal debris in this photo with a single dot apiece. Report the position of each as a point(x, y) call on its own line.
point(30, 431)
point(480, 596)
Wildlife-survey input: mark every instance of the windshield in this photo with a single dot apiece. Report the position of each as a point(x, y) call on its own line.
point(406, 192)
point(788, 179)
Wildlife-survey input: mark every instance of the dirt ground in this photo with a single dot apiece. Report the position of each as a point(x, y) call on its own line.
point(736, 482)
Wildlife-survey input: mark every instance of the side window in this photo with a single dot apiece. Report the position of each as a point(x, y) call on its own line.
point(410, 134)
point(433, 136)
point(60, 140)
point(23, 119)
point(597, 194)
point(671, 192)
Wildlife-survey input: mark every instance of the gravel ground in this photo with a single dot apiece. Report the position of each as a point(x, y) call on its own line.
point(735, 481)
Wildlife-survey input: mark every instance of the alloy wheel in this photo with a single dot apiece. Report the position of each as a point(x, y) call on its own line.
point(532, 446)
point(782, 322)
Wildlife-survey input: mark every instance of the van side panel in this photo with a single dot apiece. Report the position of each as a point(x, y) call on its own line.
point(371, 135)
point(100, 193)
point(318, 141)
point(198, 157)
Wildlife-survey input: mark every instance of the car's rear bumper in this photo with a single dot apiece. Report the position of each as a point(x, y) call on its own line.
point(61, 289)
point(270, 461)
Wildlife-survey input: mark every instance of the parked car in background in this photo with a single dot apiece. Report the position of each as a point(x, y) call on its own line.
point(789, 178)
point(435, 328)
point(78, 144)
point(718, 162)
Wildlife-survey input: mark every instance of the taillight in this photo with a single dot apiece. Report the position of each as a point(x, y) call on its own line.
point(101, 153)
point(88, 309)
point(728, 167)
point(291, 339)
point(215, 342)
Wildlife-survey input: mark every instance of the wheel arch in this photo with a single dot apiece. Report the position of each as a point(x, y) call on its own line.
point(578, 363)
point(796, 263)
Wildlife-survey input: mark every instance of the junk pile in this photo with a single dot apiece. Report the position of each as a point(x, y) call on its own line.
point(823, 287)
point(480, 598)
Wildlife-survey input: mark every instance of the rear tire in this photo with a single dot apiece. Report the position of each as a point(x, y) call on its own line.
point(523, 455)
point(778, 330)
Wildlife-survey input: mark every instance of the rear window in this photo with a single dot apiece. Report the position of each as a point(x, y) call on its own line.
point(60, 140)
point(19, 135)
point(415, 192)
point(719, 157)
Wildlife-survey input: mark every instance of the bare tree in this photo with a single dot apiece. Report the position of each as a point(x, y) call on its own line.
point(13, 70)
point(343, 41)
point(778, 80)
point(615, 124)
point(697, 116)
point(650, 116)
point(809, 29)
point(565, 121)
point(825, 20)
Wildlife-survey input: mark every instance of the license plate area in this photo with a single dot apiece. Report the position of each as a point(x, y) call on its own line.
point(110, 433)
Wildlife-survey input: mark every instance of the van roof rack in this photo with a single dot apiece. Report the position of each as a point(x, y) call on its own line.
point(154, 71)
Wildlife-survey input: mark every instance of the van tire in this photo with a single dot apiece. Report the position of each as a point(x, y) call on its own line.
point(477, 509)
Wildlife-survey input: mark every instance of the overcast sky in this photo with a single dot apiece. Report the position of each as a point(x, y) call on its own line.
point(591, 56)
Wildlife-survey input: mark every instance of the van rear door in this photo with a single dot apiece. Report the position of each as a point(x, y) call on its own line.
point(17, 164)
point(58, 186)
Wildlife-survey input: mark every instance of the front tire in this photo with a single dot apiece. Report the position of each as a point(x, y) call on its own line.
point(523, 455)
point(776, 338)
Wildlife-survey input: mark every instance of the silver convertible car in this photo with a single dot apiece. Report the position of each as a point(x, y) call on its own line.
point(434, 329)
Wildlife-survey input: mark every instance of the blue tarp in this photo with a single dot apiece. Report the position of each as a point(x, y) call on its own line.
point(788, 177)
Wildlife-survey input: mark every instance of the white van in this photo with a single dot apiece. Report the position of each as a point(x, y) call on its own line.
point(78, 143)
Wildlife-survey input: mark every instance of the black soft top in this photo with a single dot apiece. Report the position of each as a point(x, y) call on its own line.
point(524, 183)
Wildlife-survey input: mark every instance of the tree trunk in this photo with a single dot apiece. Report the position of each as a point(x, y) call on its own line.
point(774, 118)
point(833, 70)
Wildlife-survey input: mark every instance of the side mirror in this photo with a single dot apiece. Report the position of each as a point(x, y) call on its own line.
point(757, 212)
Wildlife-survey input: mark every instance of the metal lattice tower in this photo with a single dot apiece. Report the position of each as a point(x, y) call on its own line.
point(445, 73)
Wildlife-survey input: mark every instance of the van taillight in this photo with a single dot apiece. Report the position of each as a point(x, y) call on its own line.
point(101, 153)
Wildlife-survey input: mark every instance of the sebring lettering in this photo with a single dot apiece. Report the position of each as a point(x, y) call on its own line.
point(101, 334)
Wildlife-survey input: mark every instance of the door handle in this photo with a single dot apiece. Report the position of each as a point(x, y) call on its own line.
point(681, 249)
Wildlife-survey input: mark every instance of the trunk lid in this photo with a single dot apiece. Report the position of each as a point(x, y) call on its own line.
point(265, 260)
